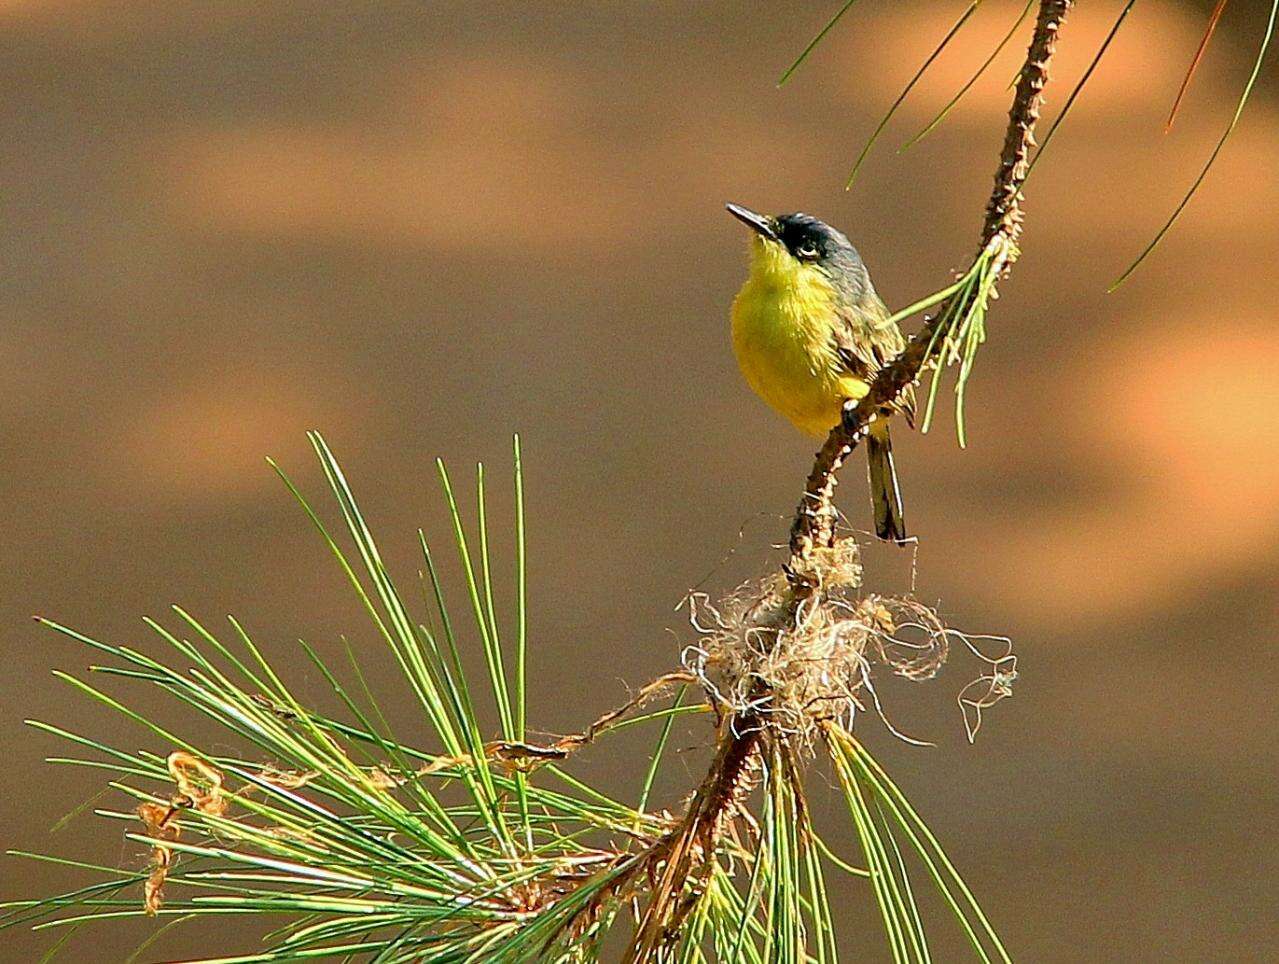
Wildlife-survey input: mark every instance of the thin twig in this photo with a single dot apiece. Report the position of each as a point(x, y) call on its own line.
point(813, 525)
point(511, 751)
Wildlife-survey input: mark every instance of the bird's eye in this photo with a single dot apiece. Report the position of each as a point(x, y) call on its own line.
point(807, 250)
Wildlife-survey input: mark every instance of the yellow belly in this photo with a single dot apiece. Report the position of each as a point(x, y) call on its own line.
point(782, 337)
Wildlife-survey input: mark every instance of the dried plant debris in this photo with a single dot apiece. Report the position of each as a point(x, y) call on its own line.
point(799, 666)
point(162, 825)
point(199, 787)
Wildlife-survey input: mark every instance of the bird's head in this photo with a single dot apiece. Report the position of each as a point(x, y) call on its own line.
point(799, 250)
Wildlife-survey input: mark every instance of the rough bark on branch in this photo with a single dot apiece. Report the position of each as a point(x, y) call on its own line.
point(814, 518)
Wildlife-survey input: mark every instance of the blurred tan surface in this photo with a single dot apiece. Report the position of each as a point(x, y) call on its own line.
point(422, 226)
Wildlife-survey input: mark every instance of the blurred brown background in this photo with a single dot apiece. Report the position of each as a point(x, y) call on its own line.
point(422, 226)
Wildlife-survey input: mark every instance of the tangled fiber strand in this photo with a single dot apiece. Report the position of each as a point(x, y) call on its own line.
point(989, 688)
point(791, 665)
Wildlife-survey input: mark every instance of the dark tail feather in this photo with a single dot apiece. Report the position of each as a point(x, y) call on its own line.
point(885, 496)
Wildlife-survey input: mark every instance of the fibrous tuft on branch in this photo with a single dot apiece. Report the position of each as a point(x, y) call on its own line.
point(791, 665)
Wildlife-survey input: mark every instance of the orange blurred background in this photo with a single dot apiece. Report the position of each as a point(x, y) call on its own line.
point(421, 226)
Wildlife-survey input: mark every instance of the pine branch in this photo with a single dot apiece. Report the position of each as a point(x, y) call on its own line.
point(814, 518)
point(745, 734)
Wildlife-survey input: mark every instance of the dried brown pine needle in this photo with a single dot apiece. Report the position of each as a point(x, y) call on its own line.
point(161, 825)
point(199, 787)
point(197, 782)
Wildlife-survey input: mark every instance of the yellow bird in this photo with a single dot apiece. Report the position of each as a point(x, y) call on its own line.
point(810, 333)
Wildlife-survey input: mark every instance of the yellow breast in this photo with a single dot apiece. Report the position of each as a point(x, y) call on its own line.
point(783, 326)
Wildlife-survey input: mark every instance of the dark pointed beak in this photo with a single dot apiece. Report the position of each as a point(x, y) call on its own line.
point(764, 225)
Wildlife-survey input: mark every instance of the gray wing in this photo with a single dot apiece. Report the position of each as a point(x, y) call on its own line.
point(867, 340)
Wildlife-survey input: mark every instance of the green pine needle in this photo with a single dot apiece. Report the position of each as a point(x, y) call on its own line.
point(1267, 36)
point(901, 98)
point(954, 101)
point(812, 44)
